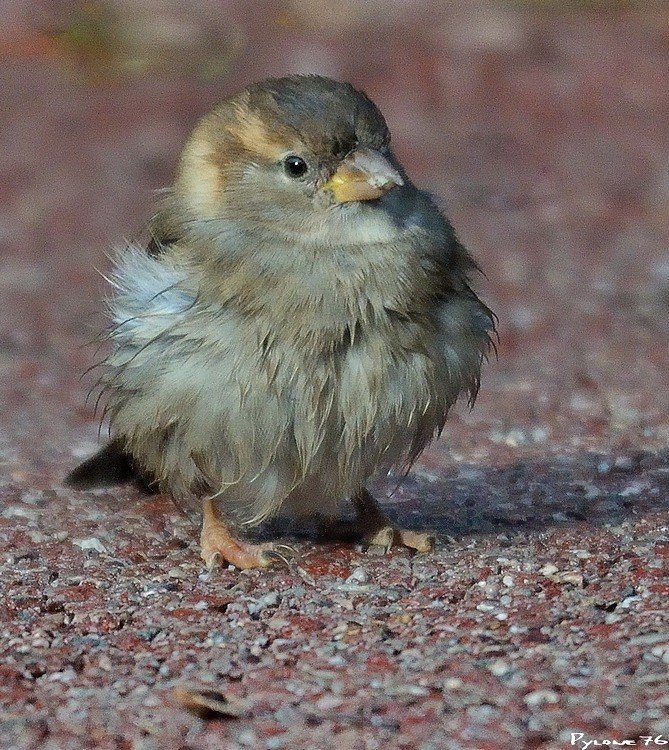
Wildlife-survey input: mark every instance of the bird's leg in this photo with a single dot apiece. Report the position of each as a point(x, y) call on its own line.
point(217, 543)
point(379, 530)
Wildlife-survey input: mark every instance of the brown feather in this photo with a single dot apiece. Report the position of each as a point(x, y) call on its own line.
point(272, 348)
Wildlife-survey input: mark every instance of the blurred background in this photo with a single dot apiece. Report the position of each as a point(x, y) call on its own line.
point(543, 126)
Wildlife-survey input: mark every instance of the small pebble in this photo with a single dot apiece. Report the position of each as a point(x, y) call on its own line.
point(549, 569)
point(452, 683)
point(540, 697)
point(91, 542)
point(177, 573)
point(633, 489)
point(328, 702)
point(359, 575)
point(570, 576)
point(624, 463)
point(499, 667)
point(264, 602)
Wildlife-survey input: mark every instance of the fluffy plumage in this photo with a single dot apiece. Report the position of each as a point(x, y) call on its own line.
point(278, 344)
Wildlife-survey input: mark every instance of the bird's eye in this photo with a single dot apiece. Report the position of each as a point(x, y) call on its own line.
point(295, 166)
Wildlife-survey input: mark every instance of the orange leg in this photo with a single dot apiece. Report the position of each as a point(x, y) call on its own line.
point(379, 530)
point(218, 543)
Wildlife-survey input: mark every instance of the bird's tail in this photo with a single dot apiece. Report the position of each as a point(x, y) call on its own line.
point(110, 465)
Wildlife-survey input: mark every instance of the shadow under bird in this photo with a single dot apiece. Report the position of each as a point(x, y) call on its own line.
point(301, 320)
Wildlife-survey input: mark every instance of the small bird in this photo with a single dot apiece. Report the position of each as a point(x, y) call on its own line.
point(301, 319)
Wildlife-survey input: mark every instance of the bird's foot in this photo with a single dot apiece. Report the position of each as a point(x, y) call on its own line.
point(217, 544)
point(379, 531)
point(383, 539)
point(243, 555)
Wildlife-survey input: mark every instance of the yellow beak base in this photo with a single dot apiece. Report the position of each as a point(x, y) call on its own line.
point(349, 185)
point(364, 175)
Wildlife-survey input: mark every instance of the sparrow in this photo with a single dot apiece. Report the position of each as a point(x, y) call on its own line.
point(301, 320)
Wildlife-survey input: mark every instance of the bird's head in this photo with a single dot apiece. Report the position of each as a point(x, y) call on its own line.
point(302, 156)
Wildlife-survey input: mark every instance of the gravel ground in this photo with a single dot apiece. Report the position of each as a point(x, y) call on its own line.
point(542, 610)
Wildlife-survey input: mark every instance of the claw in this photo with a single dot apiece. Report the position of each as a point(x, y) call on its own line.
point(271, 555)
point(214, 561)
point(287, 549)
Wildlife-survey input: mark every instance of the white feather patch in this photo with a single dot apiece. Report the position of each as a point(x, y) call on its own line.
point(146, 288)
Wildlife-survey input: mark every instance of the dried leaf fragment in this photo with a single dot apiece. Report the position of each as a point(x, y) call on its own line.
point(209, 704)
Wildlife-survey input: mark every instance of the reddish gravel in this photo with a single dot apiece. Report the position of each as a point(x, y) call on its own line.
point(543, 609)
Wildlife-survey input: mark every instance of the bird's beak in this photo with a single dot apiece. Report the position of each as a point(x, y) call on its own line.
point(364, 174)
